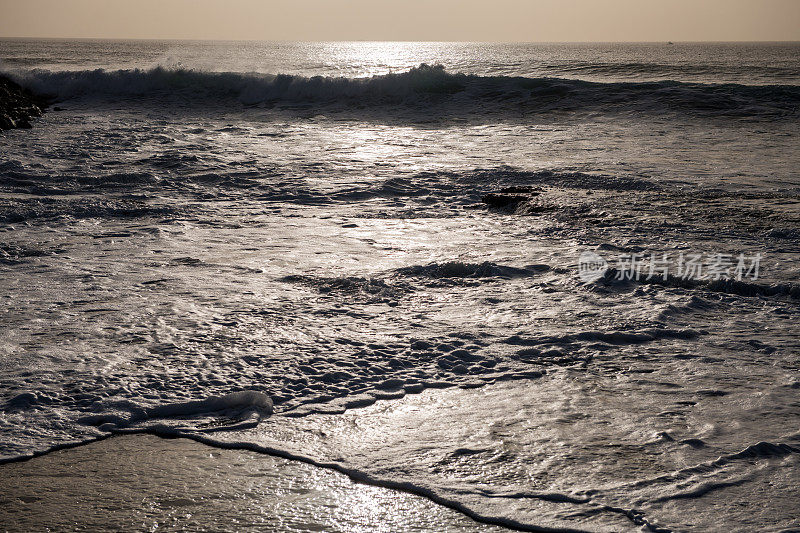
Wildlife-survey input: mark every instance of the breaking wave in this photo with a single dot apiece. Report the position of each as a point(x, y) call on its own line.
point(421, 85)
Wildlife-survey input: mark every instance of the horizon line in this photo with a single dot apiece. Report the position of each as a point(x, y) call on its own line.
point(186, 39)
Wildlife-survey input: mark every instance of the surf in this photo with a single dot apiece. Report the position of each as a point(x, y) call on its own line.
point(419, 87)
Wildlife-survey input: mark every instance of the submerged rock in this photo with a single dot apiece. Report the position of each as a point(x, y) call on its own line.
point(518, 200)
point(18, 105)
point(499, 200)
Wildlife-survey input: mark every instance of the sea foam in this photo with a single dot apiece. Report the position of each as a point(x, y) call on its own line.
point(422, 85)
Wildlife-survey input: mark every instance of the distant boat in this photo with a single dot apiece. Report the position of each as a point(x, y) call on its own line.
point(670, 42)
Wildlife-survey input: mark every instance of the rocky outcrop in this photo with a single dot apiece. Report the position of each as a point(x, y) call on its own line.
point(18, 105)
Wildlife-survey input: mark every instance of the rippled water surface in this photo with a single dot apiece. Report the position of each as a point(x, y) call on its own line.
point(314, 223)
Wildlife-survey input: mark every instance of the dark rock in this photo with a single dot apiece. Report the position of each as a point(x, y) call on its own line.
point(518, 189)
point(510, 197)
point(498, 200)
point(18, 105)
point(518, 199)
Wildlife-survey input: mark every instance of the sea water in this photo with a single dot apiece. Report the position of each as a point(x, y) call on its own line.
point(293, 247)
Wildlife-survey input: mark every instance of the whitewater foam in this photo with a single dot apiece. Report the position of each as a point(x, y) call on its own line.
point(421, 86)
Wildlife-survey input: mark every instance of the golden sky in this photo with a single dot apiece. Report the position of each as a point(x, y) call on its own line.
point(439, 20)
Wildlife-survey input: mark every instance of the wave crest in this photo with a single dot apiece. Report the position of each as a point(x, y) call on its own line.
point(425, 84)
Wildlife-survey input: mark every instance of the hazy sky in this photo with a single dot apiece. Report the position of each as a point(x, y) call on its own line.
point(466, 20)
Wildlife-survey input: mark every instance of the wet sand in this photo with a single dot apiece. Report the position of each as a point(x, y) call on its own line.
point(146, 483)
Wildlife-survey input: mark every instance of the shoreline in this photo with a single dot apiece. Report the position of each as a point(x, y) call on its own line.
point(486, 287)
point(139, 481)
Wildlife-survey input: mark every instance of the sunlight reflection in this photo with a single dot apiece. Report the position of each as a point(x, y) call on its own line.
point(377, 58)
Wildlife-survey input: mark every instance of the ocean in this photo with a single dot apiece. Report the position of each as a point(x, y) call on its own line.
point(546, 285)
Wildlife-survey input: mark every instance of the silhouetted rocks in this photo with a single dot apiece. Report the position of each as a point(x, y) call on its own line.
point(18, 105)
